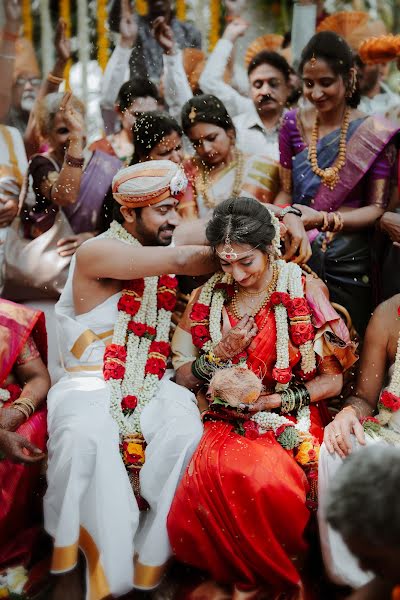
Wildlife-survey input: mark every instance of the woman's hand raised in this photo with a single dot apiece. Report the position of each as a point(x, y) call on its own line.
point(237, 339)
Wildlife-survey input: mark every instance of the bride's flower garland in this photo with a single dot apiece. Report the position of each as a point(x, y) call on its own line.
point(136, 359)
point(289, 304)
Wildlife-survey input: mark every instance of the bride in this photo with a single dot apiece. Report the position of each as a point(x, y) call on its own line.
point(243, 506)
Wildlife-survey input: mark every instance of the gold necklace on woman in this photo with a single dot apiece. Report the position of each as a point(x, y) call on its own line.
point(266, 293)
point(330, 175)
point(204, 187)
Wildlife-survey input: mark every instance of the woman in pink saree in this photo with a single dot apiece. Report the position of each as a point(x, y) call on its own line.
point(24, 383)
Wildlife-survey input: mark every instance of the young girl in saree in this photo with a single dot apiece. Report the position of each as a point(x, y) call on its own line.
point(336, 163)
point(219, 169)
point(243, 506)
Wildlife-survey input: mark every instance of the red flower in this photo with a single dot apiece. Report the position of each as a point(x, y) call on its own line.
point(282, 428)
point(15, 391)
point(298, 307)
point(161, 348)
point(301, 333)
point(137, 328)
point(312, 455)
point(136, 285)
point(280, 298)
point(129, 403)
point(398, 311)
point(128, 304)
point(201, 331)
point(168, 281)
point(369, 419)
point(282, 375)
point(155, 366)
point(200, 335)
point(200, 312)
point(113, 370)
point(166, 300)
point(115, 351)
point(151, 331)
point(250, 430)
point(390, 401)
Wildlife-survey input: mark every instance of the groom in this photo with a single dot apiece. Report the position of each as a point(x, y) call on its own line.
point(115, 411)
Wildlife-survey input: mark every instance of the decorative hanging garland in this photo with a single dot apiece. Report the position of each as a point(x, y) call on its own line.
point(141, 7)
point(213, 35)
point(65, 14)
point(27, 19)
point(180, 7)
point(102, 37)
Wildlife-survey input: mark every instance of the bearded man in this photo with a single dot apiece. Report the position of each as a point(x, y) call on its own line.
point(118, 427)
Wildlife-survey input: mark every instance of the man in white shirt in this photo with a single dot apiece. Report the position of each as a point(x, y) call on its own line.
point(257, 117)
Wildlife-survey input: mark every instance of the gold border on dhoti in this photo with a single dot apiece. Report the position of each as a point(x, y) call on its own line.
point(65, 559)
point(86, 338)
point(148, 577)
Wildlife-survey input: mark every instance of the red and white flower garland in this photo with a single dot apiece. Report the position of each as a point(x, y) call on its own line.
point(289, 305)
point(136, 359)
point(386, 424)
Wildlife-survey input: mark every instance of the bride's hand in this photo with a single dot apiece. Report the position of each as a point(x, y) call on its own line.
point(266, 402)
point(237, 339)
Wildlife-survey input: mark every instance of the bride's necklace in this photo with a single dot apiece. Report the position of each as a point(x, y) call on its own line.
point(204, 186)
point(265, 293)
point(330, 175)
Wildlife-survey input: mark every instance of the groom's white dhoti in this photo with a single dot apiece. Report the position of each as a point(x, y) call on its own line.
point(89, 503)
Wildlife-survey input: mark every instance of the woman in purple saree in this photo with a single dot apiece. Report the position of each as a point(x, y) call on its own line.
point(336, 165)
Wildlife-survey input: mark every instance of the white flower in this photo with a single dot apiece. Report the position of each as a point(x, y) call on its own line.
point(179, 182)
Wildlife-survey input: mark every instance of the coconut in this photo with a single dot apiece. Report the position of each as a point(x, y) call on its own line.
point(235, 385)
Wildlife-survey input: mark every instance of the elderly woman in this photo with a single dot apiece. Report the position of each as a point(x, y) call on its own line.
point(67, 177)
point(24, 383)
point(243, 506)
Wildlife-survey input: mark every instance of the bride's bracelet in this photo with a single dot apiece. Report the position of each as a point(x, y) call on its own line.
point(294, 398)
point(204, 366)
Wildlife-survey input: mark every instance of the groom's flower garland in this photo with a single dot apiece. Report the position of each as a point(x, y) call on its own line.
point(136, 359)
point(289, 303)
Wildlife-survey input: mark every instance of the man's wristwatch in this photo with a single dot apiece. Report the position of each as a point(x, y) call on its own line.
point(290, 209)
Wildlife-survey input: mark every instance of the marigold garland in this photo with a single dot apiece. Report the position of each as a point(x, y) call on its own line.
point(102, 37)
point(27, 19)
point(141, 7)
point(213, 35)
point(180, 7)
point(65, 14)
